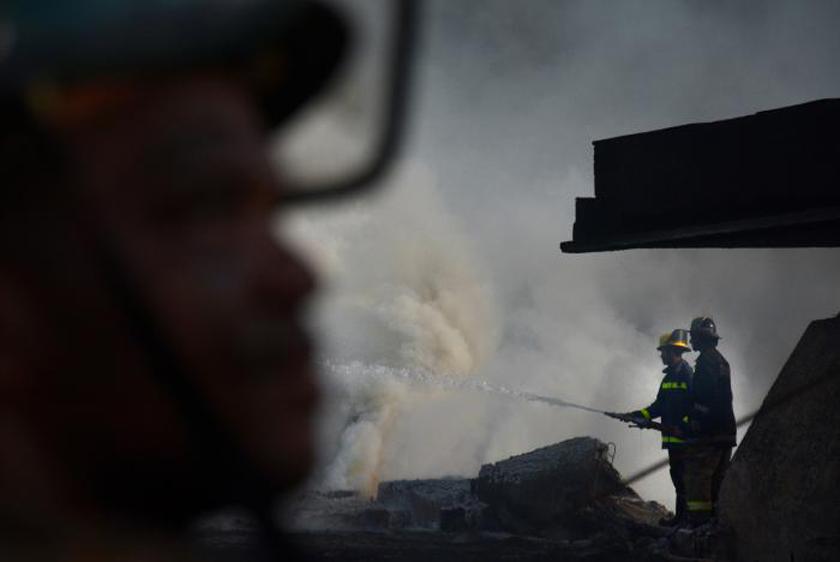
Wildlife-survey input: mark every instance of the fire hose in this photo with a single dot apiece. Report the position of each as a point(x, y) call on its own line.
point(643, 423)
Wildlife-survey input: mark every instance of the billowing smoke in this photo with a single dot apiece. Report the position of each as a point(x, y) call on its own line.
point(455, 273)
point(409, 304)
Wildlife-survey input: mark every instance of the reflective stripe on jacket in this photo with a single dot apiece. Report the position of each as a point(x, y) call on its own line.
point(673, 402)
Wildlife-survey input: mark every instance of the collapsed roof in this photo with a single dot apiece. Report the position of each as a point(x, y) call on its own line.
point(766, 180)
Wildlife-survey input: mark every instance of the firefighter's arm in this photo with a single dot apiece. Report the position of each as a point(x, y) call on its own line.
point(646, 413)
point(655, 409)
point(702, 399)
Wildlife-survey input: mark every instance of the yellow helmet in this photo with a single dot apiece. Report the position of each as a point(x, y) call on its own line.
point(677, 338)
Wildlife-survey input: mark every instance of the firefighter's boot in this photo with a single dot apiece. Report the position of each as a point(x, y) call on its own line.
point(680, 518)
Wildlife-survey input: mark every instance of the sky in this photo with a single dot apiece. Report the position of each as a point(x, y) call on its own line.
point(452, 275)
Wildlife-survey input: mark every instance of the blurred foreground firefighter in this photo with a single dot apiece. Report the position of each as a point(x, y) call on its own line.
point(712, 423)
point(153, 363)
point(672, 405)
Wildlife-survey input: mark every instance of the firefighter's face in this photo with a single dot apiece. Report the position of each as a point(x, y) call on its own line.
point(178, 182)
point(669, 356)
point(697, 342)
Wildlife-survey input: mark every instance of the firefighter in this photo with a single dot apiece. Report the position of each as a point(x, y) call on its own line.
point(154, 361)
point(712, 423)
point(672, 405)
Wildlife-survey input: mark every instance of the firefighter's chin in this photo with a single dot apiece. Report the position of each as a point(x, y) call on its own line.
point(282, 431)
point(290, 466)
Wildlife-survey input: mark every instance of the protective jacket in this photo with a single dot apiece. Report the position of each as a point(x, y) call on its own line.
point(673, 402)
point(711, 397)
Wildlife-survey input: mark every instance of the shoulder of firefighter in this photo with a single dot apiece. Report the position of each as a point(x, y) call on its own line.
point(712, 415)
point(672, 404)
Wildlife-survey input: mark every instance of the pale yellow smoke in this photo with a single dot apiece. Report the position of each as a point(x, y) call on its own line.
point(357, 465)
point(407, 297)
point(440, 301)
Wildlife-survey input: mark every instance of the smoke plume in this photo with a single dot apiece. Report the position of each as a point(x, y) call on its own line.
point(409, 303)
point(456, 272)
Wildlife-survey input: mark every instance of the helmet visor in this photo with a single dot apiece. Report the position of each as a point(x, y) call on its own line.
point(343, 136)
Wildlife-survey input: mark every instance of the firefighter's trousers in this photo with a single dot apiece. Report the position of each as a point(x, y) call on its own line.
point(705, 467)
point(676, 462)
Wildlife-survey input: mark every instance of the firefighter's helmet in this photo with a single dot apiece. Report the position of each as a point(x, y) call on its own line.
point(284, 52)
point(677, 339)
point(704, 326)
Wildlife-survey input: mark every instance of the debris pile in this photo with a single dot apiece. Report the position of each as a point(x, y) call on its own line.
point(447, 504)
point(566, 490)
point(565, 499)
point(337, 510)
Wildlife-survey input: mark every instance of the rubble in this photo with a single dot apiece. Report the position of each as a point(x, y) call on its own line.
point(335, 510)
point(568, 490)
point(439, 503)
point(564, 501)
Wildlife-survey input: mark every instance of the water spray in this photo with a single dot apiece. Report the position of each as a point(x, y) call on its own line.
point(638, 423)
point(428, 379)
point(483, 386)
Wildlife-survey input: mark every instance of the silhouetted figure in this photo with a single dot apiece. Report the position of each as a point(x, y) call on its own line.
point(712, 423)
point(672, 405)
point(153, 363)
